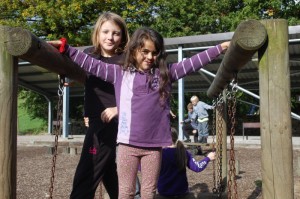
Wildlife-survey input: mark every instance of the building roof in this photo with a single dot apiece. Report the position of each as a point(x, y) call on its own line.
point(46, 83)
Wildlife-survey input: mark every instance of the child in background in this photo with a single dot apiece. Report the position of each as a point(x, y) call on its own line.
point(172, 180)
point(190, 125)
point(142, 85)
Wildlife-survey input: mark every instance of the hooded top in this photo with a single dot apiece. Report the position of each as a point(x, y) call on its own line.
point(172, 181)
point(143, 121)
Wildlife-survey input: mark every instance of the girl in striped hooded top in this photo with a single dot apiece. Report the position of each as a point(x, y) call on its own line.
point(142, 87)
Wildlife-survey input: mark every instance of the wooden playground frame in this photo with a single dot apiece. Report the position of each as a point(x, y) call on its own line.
point(274, 81)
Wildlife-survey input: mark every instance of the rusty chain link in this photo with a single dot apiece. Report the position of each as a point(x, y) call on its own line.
point(57, 132)
point(219, 189)
point(232, 185)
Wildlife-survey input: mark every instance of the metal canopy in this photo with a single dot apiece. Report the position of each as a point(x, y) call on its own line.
point(44, 82)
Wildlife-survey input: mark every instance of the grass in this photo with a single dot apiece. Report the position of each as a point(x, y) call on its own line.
point(26, 125)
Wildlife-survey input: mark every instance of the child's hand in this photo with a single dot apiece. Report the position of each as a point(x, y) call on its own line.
point(55, 43)
point(108, 114)
point(86, 121)
point(225, 45)
point(212, 155)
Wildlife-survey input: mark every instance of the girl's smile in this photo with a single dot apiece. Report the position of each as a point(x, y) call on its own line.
point(146, 56)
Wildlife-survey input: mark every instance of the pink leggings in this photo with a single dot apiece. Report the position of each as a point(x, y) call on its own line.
point(128, 160)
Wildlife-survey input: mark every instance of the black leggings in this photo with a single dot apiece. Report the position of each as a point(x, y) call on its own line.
point(97, 161)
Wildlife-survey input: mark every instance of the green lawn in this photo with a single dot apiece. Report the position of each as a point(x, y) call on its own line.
point(27, 125)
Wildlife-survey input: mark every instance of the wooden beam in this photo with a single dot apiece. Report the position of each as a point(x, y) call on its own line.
point(247, 39)
point(8, 123)
point(23, 44)
point(275, 113)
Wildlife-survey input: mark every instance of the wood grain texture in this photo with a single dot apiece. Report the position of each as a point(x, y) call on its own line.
point(275, 118)
point(8, 121)
point(248, 37)
point(25, 45)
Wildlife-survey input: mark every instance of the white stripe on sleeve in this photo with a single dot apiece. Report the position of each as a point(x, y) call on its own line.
point(208, 55)
point(83, 61)
point(200, 60)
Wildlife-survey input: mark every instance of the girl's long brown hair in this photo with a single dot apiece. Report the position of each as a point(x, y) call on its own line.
point(180, 154)
point(137, 42)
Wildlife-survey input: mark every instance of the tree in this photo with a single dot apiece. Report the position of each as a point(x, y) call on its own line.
point(74, 19)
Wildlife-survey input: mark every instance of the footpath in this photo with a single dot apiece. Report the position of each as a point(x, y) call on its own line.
point(49, 140)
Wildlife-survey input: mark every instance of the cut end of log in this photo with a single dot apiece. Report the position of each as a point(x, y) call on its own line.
point(251, 35)
point(16, 41)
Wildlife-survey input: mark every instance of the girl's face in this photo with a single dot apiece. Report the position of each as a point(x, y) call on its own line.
point(146, 56)
point(110, 36)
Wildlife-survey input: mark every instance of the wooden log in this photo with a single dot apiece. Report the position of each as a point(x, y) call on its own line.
point(51, 150)
point(66, 150)
point(298, 166)
point(73, 150)
point(8, 124)
point(23, 44)
point(275, 113)
point(247, 39)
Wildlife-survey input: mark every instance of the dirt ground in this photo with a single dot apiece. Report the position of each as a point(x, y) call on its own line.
point(34, 171)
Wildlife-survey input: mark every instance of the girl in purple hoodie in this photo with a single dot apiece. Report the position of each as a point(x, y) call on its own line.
point(175, 159)
point(142, 87)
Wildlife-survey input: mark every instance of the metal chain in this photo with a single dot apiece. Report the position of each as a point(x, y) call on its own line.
point(232, 194)
point(220, 108)
point(214, 190)
point(57, 132)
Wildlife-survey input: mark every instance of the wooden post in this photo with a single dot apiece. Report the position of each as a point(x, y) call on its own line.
point(248, 37)
point(23, 44)
point(8, 121)
point(298, 167)
point(275, 113)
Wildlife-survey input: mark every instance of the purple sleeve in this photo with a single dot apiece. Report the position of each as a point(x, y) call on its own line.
point(104, 71)
point(196, 166)
point(194, 63)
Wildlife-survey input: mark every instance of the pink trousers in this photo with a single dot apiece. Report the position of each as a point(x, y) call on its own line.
point(128, 160)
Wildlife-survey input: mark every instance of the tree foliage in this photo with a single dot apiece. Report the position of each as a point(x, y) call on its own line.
point(74, 19)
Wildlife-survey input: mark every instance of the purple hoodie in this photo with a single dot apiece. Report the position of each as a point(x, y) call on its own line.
point(143, 121)
point(172, 181)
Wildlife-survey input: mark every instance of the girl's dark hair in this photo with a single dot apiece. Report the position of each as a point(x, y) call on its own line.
point(180, 154)
point(137, 42)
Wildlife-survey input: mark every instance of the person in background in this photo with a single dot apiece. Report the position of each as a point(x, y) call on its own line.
point(142, 85)
point(190, 125)
point(98, 157)
point(200, 109)
point(173, 180)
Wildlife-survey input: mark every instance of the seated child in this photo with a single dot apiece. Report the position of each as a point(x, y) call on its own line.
point(175, 158)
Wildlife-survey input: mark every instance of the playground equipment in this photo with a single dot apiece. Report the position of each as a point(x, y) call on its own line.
point(275, 118)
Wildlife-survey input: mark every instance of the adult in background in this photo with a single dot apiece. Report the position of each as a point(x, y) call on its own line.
point(200, 108)
point(190, 125)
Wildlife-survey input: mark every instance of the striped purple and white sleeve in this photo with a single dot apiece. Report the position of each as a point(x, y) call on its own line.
point(194, 63)
point(104, 71)
point(196, 166)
